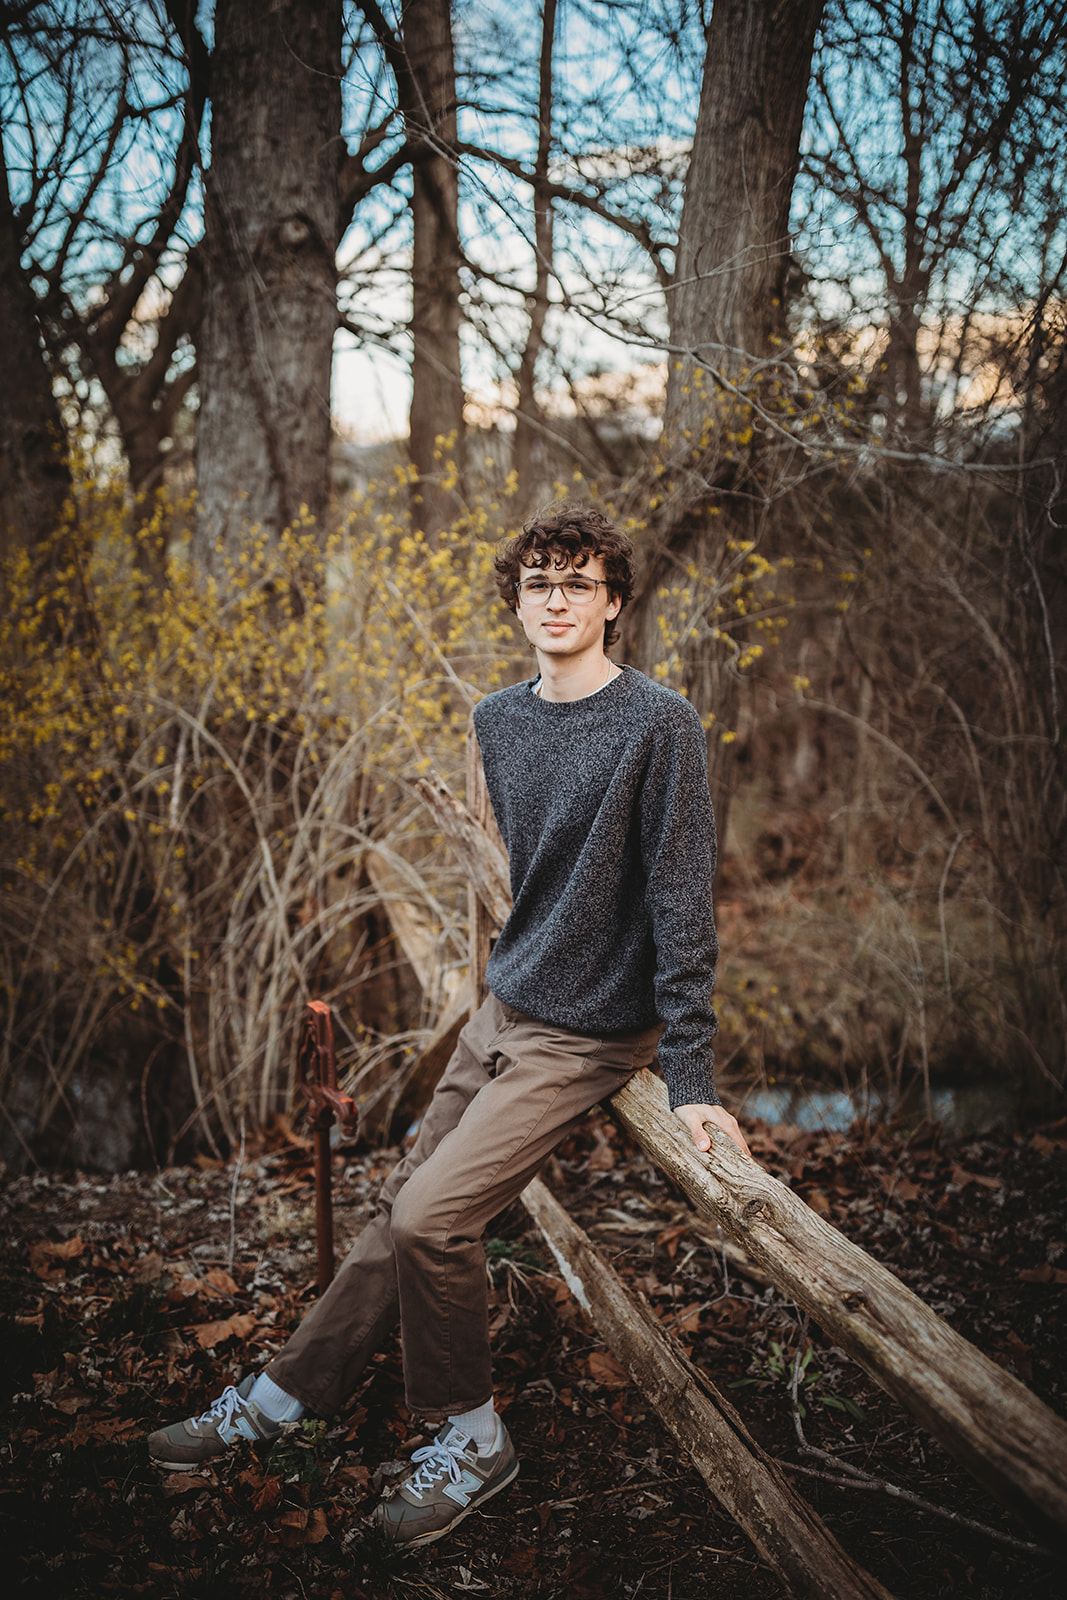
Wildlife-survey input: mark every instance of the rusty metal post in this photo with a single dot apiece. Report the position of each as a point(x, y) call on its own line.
point(317, 1064)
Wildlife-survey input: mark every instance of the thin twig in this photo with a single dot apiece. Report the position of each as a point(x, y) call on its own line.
point(853, 1477)
point(856, 1478)
point(233, 1197)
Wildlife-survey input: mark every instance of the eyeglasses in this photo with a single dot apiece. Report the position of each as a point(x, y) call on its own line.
point(579, 591)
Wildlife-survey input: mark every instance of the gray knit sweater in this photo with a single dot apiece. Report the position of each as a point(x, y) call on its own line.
point(604, 808)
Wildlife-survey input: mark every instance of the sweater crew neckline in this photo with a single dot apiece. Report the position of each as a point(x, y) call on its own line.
point(591, 702)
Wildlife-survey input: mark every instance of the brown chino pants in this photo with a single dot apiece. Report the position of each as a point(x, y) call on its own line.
point(511, 1092)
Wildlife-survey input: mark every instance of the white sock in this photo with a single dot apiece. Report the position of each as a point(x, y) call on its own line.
point(480, 1424)
point(275, 1404)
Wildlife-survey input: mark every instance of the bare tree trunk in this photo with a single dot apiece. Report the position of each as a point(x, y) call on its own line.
point(733, 242)
point(529, 440)
point(271, 235)
point(726, 303)
point(430, 113)
point(34, 476)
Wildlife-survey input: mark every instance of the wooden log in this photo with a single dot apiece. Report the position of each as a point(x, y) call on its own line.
point(785, 1530)
point(986, 1418)
point(417, 935)
point(720, 1245)
point(482, 857)
point(481, 921)
point(445, 990)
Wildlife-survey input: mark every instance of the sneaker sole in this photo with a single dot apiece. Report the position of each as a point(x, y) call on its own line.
point(475, 1505)
point(183, 1466)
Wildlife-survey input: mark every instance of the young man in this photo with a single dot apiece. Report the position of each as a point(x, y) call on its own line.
point(598, 780)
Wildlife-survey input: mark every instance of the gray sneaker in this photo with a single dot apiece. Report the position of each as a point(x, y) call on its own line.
point(450, 1478)
point(198, 1441)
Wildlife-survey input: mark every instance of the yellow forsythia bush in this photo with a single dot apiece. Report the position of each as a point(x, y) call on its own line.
point(192, 768)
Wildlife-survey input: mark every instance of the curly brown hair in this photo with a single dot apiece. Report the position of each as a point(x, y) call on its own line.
point(568, 534)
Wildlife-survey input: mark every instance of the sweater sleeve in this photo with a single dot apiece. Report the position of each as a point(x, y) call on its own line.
point(678, 850)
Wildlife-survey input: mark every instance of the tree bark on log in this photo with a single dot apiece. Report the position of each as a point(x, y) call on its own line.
point(991, 1423)
point(483, 858)
point(788, 1534)
point(987, 1419)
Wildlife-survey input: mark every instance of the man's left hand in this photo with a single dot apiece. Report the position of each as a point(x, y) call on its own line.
point(695, 1117)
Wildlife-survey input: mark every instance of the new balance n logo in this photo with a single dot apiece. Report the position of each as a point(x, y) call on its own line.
point(462, 1490)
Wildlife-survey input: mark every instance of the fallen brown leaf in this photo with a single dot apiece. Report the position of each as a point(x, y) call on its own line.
point(268, 1495)
point(602, 1159)
point(47, 1257)
point(64, 1250)
point(1047, 1146)
point(183, 1287)
point(604, 1369)
point(1045, 1273)
point(70, 1400)
point(89, 1430)
point(185, 1483)
point(219, 1280)
point(148, 1266)
point(962, 1177)
point(355, 1476)
point(687, 1321)
point(668, 1239)
point(897, 1187)
point(213, 1333)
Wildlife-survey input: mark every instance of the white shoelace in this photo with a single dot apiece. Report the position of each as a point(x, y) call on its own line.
point(223, 1408)
point(439, 1459)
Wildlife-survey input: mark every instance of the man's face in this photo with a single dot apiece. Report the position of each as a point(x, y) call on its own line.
point(560, 626)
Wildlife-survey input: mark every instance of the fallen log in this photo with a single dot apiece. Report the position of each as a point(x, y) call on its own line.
point(485, 916)
point(445, 988)
point(785, 1530)
point(483, 858)
point(987, 1419)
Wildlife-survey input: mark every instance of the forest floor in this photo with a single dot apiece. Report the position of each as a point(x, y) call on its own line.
point(130, 1300)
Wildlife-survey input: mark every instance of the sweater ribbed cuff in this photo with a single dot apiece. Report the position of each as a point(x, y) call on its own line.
point(691, 1089)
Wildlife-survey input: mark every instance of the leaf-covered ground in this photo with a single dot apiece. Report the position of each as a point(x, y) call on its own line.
point(132, 1300)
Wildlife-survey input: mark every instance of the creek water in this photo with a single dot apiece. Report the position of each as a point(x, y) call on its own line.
point(961, 1111)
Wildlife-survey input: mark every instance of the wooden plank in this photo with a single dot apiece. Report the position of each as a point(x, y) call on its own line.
point(785, 1530)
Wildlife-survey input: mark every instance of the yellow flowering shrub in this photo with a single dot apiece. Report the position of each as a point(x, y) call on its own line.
point(728, 609)
point(192, 769)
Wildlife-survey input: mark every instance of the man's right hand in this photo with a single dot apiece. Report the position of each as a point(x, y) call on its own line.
point(695, 1117)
